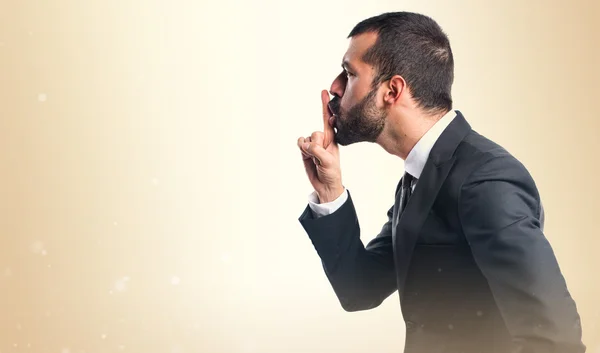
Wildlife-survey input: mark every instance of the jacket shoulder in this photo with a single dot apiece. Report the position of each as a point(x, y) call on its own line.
point(479, 157)
point(476, 150)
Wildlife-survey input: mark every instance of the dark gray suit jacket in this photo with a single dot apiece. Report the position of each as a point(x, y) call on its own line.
point(474, 271)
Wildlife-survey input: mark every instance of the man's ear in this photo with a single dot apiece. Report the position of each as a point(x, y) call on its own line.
point(395, 89)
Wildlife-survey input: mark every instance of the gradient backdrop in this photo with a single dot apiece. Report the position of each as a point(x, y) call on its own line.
point(150, 182)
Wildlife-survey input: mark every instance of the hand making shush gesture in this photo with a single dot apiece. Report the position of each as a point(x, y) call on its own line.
point(321, 157)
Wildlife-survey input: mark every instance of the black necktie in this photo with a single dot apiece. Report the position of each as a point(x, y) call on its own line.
point(406, 190)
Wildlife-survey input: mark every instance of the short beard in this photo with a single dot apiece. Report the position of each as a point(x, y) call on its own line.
point(364, 122)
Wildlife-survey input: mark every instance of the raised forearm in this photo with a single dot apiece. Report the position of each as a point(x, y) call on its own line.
point(362, 277)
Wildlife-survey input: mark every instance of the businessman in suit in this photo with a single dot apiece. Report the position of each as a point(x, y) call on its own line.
point(463, 243)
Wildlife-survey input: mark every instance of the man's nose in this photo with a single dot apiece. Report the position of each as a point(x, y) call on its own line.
point(338, 86)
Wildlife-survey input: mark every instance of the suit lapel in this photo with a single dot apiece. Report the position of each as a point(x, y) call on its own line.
point(409, 223)
point(411, 220)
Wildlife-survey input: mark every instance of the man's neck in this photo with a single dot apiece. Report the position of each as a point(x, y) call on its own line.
point(402, 134)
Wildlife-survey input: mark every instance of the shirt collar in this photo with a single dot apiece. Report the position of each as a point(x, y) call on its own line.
point(415, 162)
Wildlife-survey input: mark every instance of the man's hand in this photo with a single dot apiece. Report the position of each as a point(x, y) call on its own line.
point(321, 157)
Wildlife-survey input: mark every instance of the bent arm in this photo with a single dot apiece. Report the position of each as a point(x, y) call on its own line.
point(502, 220)
point(362, 277)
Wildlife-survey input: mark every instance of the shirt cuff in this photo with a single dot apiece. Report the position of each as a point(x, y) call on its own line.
point(324, 209)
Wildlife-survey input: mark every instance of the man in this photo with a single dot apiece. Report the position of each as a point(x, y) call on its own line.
point(464, 242)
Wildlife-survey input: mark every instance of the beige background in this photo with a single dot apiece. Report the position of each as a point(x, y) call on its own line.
point(150, 183)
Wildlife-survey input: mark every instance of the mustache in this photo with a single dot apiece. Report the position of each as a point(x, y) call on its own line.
point(334, 105)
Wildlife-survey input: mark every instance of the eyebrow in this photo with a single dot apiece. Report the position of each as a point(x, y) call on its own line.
point(346, 64)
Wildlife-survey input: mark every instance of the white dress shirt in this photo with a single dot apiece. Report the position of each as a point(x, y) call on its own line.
point(414, 164)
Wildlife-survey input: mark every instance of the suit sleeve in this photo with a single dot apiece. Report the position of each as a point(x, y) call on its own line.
point(324, 209)
point(361, 277)
point(502, 219)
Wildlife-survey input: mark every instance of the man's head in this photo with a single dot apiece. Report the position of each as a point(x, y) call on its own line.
point(396, 63)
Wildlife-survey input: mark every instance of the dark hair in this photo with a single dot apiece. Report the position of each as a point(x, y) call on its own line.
point(415, 47)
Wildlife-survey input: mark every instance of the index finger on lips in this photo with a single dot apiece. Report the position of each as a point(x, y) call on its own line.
point(327, 129)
